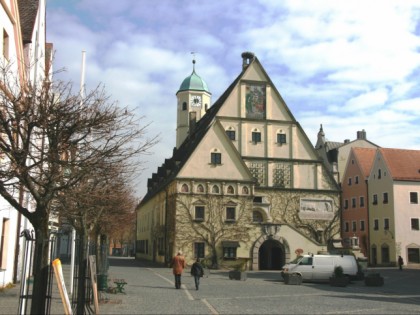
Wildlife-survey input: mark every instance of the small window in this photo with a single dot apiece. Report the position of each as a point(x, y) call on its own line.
point(184, 106)
point(376, 224)
point(199, 250)
point(415, 224)
point(353, 226)
point(346, 226)
point(349, 181)
point(346, 204)
point(356, 179)
point(281, 138)
point(385, 197)
point(379, 173)
point(414, 198)
point(184, 188)
point(257, 217)
point(231, 134)
point(199, 213)
point(361, 202)
point(258, 199)
point(375, 199)
point(216, 158)
point(215, 189)
point(230, 190)
point(200, 188)
point(245, 190)
point(230, 214)
point(362, 225)
point(256, 136)
point(229, 249)
point(353, 202)
point(386, 224)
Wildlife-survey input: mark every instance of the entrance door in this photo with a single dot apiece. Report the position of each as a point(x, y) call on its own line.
point(271, 256)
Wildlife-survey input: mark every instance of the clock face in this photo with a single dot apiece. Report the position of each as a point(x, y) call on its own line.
point(196, 100)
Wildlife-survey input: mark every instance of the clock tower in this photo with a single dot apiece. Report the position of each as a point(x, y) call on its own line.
point(193, 100)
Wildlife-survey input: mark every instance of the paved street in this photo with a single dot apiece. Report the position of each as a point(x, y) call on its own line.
point(150, 289)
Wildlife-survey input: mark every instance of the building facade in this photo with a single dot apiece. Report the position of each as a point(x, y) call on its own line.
point(244, 186)
point(26, 60)
point(355, 215)
point(335, 154)
point(394, 187)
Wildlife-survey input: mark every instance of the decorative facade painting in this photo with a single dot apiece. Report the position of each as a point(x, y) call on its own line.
point(316, 209)
point(255, 101)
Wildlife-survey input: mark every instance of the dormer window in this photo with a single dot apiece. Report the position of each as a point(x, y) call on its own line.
point(281, 138)
point(216, 157)
point(256, 136)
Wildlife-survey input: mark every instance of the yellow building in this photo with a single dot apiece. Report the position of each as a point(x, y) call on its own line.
point(244, 187)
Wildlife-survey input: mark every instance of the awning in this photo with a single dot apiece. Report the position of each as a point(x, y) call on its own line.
point(230, 244)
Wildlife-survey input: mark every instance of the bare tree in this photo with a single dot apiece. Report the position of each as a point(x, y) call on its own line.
point(285, 208)
point(51, 140)
point(215, 227)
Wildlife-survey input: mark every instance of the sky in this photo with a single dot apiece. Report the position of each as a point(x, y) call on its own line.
point(348, 65)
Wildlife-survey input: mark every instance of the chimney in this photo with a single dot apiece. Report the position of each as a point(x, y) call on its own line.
point(361, 135)
point(346, 140)
point(247, 58)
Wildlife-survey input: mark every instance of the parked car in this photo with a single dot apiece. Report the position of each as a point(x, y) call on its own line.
point(321, 267)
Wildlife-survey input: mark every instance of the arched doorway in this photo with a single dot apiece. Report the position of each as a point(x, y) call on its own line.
point(271, 255)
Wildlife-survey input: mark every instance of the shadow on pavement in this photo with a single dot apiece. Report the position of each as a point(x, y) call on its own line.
point(132, 262)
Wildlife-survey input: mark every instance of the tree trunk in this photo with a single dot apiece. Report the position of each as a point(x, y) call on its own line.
point(81, 285)
point(41, 268)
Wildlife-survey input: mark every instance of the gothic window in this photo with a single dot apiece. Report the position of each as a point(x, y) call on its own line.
point(200, 188)
point(215, 189)
point(257, 217)
point(184, 188)
point(245, 190)
point(230, 190)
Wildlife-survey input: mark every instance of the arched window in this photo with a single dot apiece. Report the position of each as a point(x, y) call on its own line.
point(215, 189)
point(200, 188)
point(184, 188)
point(230, 190)
point(257, 216)
point(245, 190)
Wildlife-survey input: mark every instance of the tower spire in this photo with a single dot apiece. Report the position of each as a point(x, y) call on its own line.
point(193, 61)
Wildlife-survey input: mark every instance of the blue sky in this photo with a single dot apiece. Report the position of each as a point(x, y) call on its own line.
point(348, 65)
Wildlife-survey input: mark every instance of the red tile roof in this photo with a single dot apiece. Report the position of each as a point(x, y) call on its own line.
point(403, 164)
point(364, 157)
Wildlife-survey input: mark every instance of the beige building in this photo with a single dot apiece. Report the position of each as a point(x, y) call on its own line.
point(394, 210)
point(335, 154)
point(244, 186)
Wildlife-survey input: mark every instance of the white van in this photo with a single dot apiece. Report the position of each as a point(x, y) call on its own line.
point(321, 267)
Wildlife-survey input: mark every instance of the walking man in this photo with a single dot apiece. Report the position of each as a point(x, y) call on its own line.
point(400, 262)
point(197, 272)
point(178, 265)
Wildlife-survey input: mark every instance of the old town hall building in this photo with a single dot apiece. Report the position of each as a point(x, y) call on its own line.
point(244, 186)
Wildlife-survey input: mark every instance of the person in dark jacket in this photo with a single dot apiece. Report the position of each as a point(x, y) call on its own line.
point(197, 272)
point(400, 262)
